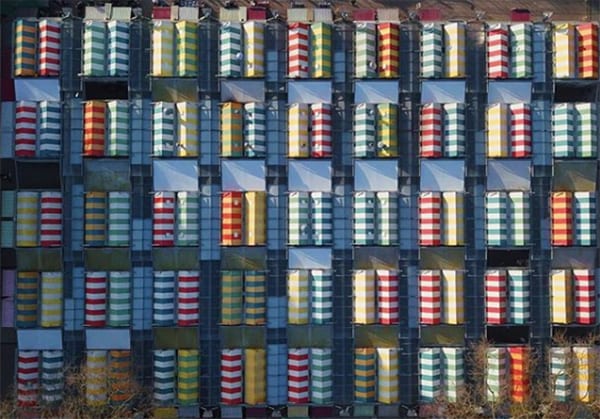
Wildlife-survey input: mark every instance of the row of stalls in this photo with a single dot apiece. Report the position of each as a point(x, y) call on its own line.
point(107, 218)
point(175, 302)
point(176, 49)
point(309, 375)
point(175, 127)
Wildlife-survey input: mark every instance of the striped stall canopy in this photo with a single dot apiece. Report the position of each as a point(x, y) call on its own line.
point(321, 296)
point(496, 373)
point(519, 373)
point(231, 218)
point(432, 56)
point(585, 218)
point(163, 129)
point(255, 209)
point(187, 48)
point(364, 296)
point(163, 48)
point(453, 219)
point(518, 203)
point(230, 58)
point(497, 51)
point(565, 66)
point(430, 373)
point(454, 46)
point(563, 130)
point(96, 377)
point(388, 35)
point(454, 129)
point(28, 382)
point(163, 306)
point(119, 299)
point(27, 219)
point(364, 218)
point(431, 130)
point(387, 218)
point(387, 296)
point(364, 130)
point(321, 376)
point(430, 297)
point(117, 114)
point(298, 291)
point(298, 142)
point(454, 372)
point(25, 47)
point(188, 372)
point(430, 205)
point(255, 383)
point(561, 296)
point(27, 300)
point(25, 128)
point(322, 218)
point(561, 204)
point(520, 130)
point(95, 299)
point(164, 376)
point(188, 303)
point(232, 140)
point(585, 361)
point(231, 376)
point(119, 376)
point(453, 297)
point(50, 129)
point(495, 297)
point(94, 114)
point(365, 50)
point(118, 219)
point(298, 376)
point(52, 376)
point(163, 219)
point(255, 308)
point(187, 219)
point(588, 50)
point(585, 296)
point(94, 48)
point(586, 130)
point(299, 218)
point(320, 50)
point(188, 122)
point(521, 62)
point(365, 365)
point(560, 373)
point(298, 45)
point(51, 219)
point(51, 291)
point(254, 48)
point(118, 48)
point(518, 296)
point(49, 48)
point(255, 129)
point(387, 130)
point(231, 297)
point(321, 140)
point(387, 376)
point(497, 140)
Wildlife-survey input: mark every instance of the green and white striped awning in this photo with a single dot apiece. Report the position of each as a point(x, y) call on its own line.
point(118, 127)
point(118, 48)
point(119, 300)
point(322, 218)
point(118, 219)
point(187, 219)
point(364, 218)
